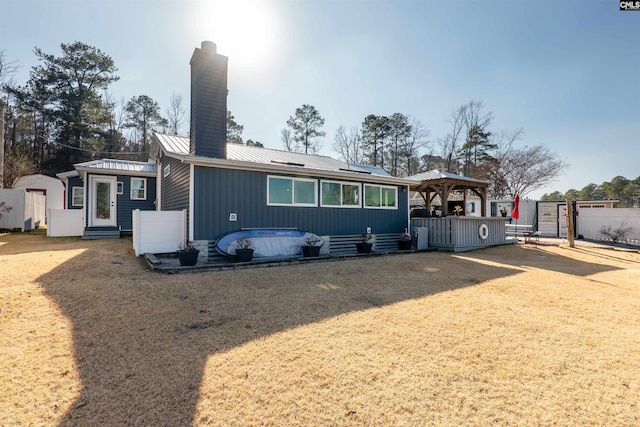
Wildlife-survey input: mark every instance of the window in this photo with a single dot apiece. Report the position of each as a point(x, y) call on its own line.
point(119, 188)
point(340, 194)
point(376, 196)
point(77, 196)
point(166, 170)
point(138, 188)
point(286, 191)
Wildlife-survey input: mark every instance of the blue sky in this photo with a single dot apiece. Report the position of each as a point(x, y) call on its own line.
point(566, 72)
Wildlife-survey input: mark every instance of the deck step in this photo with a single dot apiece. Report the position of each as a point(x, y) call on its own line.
point(100, 234)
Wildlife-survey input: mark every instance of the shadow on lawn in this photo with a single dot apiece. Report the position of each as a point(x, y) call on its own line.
point(142, 339)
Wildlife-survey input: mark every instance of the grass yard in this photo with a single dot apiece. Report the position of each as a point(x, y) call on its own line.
point(510, 335)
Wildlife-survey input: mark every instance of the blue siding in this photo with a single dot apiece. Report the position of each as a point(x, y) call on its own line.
point(175, 186)
point(220, 192)
point(72, 182)
point(125, 206)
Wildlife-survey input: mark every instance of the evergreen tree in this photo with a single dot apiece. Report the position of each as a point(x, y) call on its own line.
point(142, 113)
point(307, 124)
point(234, 130)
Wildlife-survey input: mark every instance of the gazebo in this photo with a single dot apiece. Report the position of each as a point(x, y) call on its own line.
point(435, 183)
point(455, 233)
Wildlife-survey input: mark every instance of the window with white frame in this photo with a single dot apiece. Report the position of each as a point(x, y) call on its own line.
point(119, 188)
point(138, 188)
point(289, 191)
point(340, 194)
point(379, 196)
point(77, 196)
point(166, 170)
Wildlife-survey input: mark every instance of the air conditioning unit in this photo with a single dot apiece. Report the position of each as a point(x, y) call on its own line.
point(422, 238)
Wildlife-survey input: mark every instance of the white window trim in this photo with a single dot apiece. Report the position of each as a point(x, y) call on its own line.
point(73, 196)
point(144, 188)
point(293, 196)
point(360, 194)
point(166, 171)
point(119, 187)
point(364, 204)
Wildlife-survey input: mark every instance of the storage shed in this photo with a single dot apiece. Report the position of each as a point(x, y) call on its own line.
point(50, 187)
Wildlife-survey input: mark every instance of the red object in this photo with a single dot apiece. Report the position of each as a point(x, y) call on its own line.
point(516, 202)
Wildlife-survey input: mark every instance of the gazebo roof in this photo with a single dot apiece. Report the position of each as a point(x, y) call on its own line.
point(436, 177)
point(435, 183)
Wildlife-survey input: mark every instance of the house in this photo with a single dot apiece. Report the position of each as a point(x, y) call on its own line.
point(226, 187)
point(107, 191)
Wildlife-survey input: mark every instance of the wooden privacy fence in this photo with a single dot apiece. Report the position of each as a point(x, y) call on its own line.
point(158, 231)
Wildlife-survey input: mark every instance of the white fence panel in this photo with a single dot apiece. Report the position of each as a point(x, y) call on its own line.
point(27, 209)
point(591, 221)
point(64, 222)
point(158, 231)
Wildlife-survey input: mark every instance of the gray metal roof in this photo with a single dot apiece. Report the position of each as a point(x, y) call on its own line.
point(124, 166)
point(180, 146)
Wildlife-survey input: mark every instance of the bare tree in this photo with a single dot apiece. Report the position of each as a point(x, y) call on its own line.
point(287, 139)
point(7, 68)
point(115, 118)
point(175, 113)
point(523, 170)
point(417, 138)
point(450, 142)
point(349, 145)
point(477, 143)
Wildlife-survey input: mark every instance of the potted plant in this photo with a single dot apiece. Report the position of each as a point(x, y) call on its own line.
point(457, 210)
point(311, 247)
point(187, 254)
point(404, 244)
point(244, 251)
point(364, 246)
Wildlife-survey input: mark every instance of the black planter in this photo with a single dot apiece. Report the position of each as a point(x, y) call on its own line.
point(310, 251)
point(244, 255)
point(188, 257)
point(404, 245)
point(363, 248)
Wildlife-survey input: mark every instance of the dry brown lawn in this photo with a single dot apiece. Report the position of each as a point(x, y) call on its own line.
point(511, 335)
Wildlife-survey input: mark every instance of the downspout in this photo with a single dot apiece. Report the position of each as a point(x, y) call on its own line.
point(191, 200)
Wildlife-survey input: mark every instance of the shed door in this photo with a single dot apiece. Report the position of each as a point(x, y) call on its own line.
point(103, 201)
point(562, 221)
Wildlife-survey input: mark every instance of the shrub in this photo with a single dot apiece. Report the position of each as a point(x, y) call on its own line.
point(616, 234)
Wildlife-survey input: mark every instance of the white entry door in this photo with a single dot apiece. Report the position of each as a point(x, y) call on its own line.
point(103, 201)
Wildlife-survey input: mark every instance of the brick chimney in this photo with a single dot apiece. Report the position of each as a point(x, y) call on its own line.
point(208, 102)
